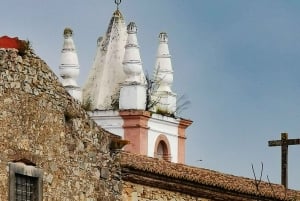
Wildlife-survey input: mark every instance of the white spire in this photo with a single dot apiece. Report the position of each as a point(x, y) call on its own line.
point(132, 60)
point(163, 77)
point(133, 89)
point(69, 65)
point(163, 71)
point(107, 73)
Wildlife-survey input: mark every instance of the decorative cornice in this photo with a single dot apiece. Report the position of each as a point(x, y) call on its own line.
point(144, 113)
point(139, 117)
point(184, 123)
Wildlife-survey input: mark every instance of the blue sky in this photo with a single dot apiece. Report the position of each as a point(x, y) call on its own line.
point(237, 61)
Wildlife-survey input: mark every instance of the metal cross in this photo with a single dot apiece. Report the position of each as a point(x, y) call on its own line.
point(118, 2)
point(284, 143)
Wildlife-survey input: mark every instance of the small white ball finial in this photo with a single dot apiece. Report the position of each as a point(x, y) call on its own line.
point(131, 28)
point(163, 37)
point(68, 32)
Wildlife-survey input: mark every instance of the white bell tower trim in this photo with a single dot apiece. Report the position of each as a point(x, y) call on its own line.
point(163, 77)
point(133, 89)
point(69, 65)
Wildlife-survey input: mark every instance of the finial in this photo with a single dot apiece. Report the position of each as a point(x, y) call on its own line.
point(163, 36)
point(131, 28)
point(68, 32)
point(118, 2)
point(132, 64)
point(69, 65)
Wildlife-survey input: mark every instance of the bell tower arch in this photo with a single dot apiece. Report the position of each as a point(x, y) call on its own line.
point(162, 148)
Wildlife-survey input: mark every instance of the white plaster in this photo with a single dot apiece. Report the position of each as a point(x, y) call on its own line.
point(167, 101)
point(133, 90)
point(69, 65)
point(75, 92)
point(110, 120)
point(167, 126)
point(163, 70)
point(107, 72)
point(163, 76)
point(132, 96)
point(132, 63)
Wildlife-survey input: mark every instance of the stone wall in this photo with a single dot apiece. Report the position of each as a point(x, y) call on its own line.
point(41, 123)
point(136, 192)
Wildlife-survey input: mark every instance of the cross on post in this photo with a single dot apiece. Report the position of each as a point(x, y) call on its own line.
point(284, 143)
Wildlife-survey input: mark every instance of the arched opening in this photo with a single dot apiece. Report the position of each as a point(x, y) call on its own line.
point(162, 148)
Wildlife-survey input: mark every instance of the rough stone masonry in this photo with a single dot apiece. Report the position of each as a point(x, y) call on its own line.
point(41, 123)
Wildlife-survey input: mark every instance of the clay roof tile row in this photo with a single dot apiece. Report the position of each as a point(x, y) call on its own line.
point(204, 176)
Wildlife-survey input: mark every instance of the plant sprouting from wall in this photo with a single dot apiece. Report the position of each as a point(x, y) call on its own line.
point(164, 112)
point(153, 99)
point(25, 46)
point(181, 104)
point(87, 104)
point(151, 87)
point(115, 100)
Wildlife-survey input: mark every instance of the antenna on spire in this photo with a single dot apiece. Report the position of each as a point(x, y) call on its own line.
point(118, 2)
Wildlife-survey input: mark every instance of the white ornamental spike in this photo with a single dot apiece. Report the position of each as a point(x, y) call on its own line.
point(163, 71)
point(69, 66)
point(132, 63)
point(133, 89)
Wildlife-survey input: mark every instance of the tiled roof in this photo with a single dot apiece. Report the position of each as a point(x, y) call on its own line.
point(205, 177)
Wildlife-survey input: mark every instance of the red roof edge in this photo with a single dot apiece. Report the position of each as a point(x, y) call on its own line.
point(8, 42)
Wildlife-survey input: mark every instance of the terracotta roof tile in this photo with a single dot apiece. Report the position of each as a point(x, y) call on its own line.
point(204, 176)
